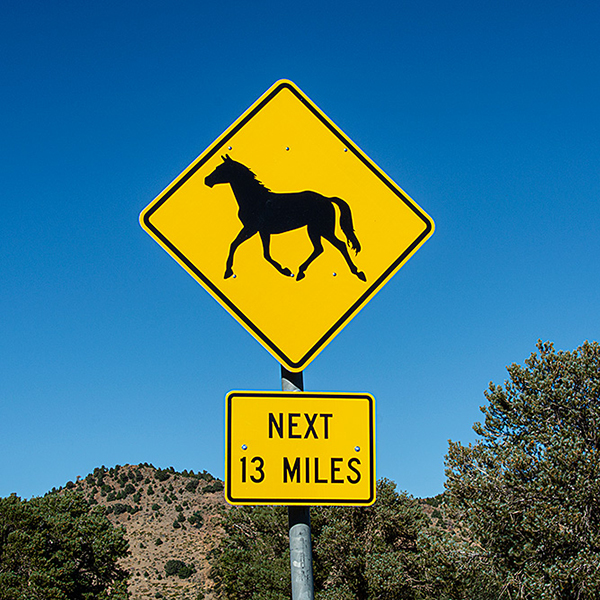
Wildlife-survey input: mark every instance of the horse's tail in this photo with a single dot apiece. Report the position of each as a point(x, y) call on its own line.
point(346, 224)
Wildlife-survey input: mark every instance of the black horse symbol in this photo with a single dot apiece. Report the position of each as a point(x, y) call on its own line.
point(265, 212)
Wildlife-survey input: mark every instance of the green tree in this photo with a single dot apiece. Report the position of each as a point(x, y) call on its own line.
point(58, 548)
point(363, 553)
point(252, 560)
point(529, 488)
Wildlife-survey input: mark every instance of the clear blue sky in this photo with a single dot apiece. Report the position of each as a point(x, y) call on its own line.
point(487, 114)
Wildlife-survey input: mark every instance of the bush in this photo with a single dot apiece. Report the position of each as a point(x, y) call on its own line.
point(196, 520)
point(162, 475)
point(119, 508)
point(186, 571)
point(192, 485)
point(216, 486)
point(179, 568)
point(172, 566)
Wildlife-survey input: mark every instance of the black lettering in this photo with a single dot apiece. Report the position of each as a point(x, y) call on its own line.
point(358, 475)
point(278, 426)
point(326, 425)
point(259, 468)
point(243, 461)
point(292, 425)
point(317, 480)
point(307, 472)
point(335, 470)
point(293, 472)
point(311, 426)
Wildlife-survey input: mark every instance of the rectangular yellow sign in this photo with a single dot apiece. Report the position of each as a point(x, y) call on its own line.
point(300, 448)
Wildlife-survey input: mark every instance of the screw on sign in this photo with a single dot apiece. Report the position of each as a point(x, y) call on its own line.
point(293, 262)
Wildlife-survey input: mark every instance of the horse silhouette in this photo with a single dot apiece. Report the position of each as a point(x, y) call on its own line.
point(265, 212)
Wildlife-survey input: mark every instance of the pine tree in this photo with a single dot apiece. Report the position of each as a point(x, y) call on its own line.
point(529, 488)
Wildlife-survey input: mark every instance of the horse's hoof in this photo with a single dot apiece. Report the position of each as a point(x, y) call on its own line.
point(361, 276)
point(228, 274)
point(287, 272)
point(300, 276)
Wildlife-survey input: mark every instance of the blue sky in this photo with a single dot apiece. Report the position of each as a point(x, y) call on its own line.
point(485, 113)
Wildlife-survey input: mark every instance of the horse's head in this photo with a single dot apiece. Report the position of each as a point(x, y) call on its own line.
point(224, 173)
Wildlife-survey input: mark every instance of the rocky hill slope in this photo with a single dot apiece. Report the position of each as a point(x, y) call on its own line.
point(171, 522)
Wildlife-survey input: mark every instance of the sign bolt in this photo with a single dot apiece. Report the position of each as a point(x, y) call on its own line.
point(357, 448)
point(244, 447)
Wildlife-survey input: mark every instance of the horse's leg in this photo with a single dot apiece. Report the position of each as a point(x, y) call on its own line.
point(245, 234)
point(266, 242)
point(337, 243)
point(315, 238)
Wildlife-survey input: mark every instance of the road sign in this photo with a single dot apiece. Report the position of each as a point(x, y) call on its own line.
point(287, 224)
point(300, 448)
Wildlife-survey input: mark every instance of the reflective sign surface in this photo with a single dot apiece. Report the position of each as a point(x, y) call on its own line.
point(287, 224)
point(300, 448)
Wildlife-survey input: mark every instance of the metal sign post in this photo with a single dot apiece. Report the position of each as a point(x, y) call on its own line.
point(318, 185)
point(299, 520)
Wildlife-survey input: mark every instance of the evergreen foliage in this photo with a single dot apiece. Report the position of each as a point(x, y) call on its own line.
point(179, 568)
point(363, 553)
point(58, 548)
point(529, 488)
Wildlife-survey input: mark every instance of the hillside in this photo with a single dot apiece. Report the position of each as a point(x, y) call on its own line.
point(171, 521)
point(167, 516)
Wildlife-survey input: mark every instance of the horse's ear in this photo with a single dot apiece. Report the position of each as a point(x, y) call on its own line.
point(223, 158)
point(227, 157)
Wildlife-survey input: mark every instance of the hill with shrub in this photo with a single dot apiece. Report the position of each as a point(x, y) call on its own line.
point(171, 521)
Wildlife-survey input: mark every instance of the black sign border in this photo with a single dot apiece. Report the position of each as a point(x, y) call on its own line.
point(304, 502)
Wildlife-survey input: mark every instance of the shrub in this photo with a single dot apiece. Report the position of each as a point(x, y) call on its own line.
point(119, 509)
point(216, 486)
point(172, 566)
point(196, 520)
point(162, 475)
point(186, 571)
point(191, 485)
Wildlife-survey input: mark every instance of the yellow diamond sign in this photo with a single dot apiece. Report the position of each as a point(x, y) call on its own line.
point(288, 224)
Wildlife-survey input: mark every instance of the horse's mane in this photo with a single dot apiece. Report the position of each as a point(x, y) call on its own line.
point(247, 173)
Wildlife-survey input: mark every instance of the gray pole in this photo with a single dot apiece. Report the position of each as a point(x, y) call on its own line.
point(299, 521)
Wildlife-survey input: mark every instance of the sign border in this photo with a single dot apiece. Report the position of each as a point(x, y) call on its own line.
point(310, 501)
point(214, 148)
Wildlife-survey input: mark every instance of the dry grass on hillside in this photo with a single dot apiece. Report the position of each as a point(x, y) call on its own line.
point(167, 516)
